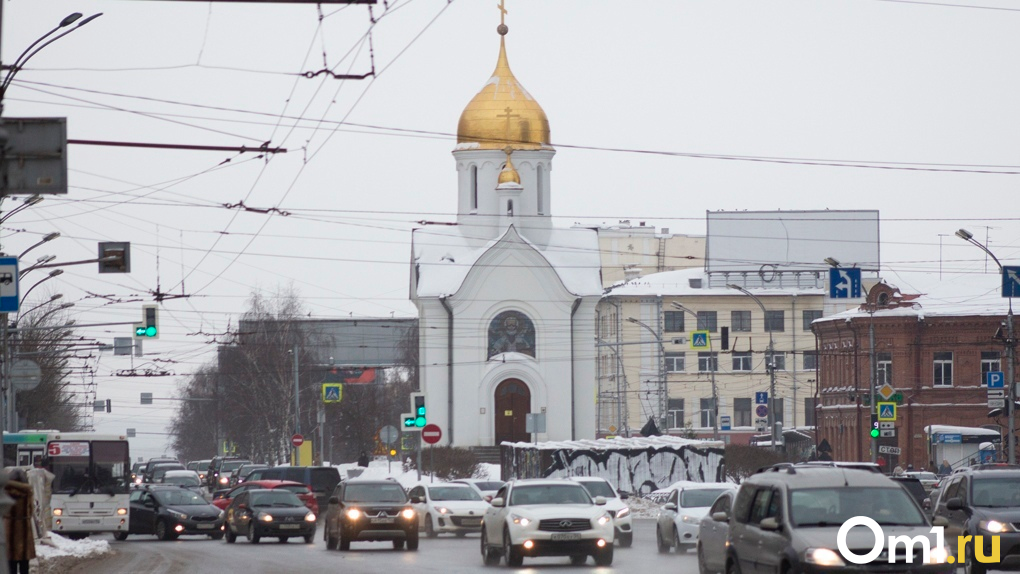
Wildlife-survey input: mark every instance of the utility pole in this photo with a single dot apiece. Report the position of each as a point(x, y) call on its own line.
point(297, 405)
point(873, 380)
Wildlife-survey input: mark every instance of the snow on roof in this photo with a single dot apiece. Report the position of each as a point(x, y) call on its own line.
point(949, 429)
point(445, 254)
point(620, 443)
point(677, 283)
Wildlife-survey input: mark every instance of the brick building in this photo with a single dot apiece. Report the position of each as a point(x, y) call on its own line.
point(932, 349)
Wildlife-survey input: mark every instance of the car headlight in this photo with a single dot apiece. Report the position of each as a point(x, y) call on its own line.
point(264, 517)
point(407, 513)
point(995, 527)
point(523, 521)
point(224, 480)
point(823, 557)
point(122, 511)
point(177, 515)
point(605, 519)
point(354, 514)
point(623, 513)
point(688, 519)
point(138, 480)
point(58, 512)
point(442, 509)
point(309, 517)
point(939, 555)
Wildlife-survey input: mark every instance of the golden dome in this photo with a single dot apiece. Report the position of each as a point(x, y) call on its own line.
point(503, 113)
point(509, 173)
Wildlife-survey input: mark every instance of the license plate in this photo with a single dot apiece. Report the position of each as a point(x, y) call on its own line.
point(383, 520)
point(205, 526)
point(472, 522)
point(563, 536)
point(289, 526)
point(91, 521)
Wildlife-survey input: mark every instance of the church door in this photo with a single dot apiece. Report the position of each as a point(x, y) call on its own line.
point(513, 403)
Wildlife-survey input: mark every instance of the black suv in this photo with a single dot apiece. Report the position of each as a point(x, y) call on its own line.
point(983, 501)
point(363, 510)
point(170, 511)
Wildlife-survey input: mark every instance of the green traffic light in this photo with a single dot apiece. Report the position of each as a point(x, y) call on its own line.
point(874, 433)
point(419, 422)
point(421, 411)
point(409, 422)
point(150, 331)
point(139, 331)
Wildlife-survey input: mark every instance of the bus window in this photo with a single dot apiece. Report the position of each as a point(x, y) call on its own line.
point(111, 465)
point(70, 474)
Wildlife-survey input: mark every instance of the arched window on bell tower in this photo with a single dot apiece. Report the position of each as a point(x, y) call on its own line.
point(474, 188)
point(540, 189)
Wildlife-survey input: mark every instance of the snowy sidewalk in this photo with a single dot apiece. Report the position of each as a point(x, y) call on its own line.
point(57, 553)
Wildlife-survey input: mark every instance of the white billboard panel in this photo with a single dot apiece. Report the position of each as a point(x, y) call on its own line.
point(739, 241)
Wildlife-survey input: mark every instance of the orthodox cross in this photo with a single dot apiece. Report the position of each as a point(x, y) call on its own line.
point(508, 116)
point(502, 12)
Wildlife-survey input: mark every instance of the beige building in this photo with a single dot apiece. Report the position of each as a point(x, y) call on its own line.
point(631, 250)
point(647, 367)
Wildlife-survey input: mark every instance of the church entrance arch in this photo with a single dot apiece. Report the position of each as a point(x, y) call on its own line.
point(513, 403)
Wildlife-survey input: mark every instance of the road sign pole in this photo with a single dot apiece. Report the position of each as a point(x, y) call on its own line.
point(1011, 393)
point(873, 378)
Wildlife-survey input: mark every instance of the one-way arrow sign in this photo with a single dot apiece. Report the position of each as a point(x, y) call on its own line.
point(1010, 281)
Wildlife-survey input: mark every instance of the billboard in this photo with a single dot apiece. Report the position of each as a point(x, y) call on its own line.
point(745, 241)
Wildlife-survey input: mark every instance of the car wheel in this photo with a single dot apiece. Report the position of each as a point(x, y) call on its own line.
point(398, 544)
point(284, 539)
point(309, 538)
point(513, 555)
point(732, 567)
point(216, 536)
point(972, 566)
point(660, 543)
point(121, 536)
point(231, 537)
point(331, 541)
point(163, 530)
point(253, 537)
point(604, 557)
point(578, 559)
point(430, 529)
point(412, 540)
point(490, 556)
point(345, 542)
point(625, 539)
point(680, 548)
point(460, 534)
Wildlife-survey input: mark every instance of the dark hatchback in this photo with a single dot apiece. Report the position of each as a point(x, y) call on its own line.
point(262, 513)
point(365, 510)
point(171, 511)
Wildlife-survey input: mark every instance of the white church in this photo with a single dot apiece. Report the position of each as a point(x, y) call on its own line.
point(506, 302)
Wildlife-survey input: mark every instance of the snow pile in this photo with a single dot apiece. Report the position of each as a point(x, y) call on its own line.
point(56, 546)
point(381, 469)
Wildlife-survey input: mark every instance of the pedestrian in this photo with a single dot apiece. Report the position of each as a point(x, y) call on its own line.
point(898, 471)
point(363, 459)
point(910, 468)
point(18, 522)
point(41, 480)
point(972, 461)
point(945, 468)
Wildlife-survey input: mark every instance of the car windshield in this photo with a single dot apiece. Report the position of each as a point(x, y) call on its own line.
point(699, 497)
point(453, 493)
point(244, 472)
point(1000, 492)
point(278, 497)
point(182, 480)
point(374, 493)
point(231, 465)
point(834, 506)
point(179, 498)
point(599, 488)
point(549, 494)
point(295, 488)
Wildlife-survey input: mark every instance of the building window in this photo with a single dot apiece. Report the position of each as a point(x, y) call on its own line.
point(740, 321)
point(474, 187)
point(990, 361)
point(675, 362)
point(883, 366)
point(675, 413)
point(810, 360)
point(742, 361)
point(708, 362)
point(777, 409)
point(809, 316)
point(707, 413)
point(943, 369)
point(742, 412)
point(775, 321)
point(707, 321)
point(674, 321)
point(540, 187)
point(809, 412)
point(778, 361)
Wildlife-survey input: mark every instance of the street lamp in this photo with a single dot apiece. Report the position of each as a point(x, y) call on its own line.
point(46, 238)
point(1010, 344)
point(26, 204)
point(25, 56)
point(51, 275)
point(770, 367)
point(52, 298)
point(714, 365)
point(663, 393)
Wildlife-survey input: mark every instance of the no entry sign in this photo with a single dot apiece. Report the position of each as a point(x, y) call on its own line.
point(297, 440)
point(431, 433)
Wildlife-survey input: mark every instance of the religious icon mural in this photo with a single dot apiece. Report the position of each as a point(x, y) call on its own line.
point(511, 332)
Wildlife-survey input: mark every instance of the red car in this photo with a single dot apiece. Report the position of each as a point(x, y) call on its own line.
point(302, 491)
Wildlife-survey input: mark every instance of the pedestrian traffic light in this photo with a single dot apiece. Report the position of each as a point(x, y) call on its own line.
point(874, 426)
point(418, 409)
point(149, 327)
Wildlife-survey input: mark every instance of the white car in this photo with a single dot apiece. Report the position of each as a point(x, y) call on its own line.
point(615, 504)
point(484, 487)
point(678, 521)
point(538, 517)
point(447, 507)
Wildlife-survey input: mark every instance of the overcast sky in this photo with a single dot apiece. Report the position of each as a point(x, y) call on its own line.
point(911, 108)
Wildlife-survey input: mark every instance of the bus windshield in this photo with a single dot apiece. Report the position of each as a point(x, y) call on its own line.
point(90, 467)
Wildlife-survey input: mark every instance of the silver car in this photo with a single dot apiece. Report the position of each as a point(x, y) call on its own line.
point(713, 533)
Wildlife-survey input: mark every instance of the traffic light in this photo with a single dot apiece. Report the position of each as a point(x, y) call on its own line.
point(418, 409)
point(875, 432)
point(407, 421)
point(149, 327)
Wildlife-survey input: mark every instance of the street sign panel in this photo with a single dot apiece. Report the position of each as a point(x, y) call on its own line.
point(389, 434)
point(725, 422)
point(1010, 281)
point(431, 433)
point(996, 403)
point(332, 392)
point(887, 433)
point(9, 285)
point(297, 440)
point(887, 411)
point(761, 398)
point(996, 393)
point(889, 450)
point(844, 283)
point(761, 411)
point(699, 339)
point(995, 380)
point(886, 425)
point(886, 391)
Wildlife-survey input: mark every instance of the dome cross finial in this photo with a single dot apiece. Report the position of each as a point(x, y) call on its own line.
point(502, 29)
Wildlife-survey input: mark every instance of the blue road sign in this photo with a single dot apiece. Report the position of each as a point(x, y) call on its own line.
point(761, 411)
point(9, 294)
point(887, 411)
point(699, 340)
point(332, 392)
point(844, 283)
point(724, 422)
point(1010, 281)
point(995, 380)
point(761, 398)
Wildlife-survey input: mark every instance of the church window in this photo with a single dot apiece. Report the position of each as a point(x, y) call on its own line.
point(474, 187)
point(510, 207)
point(540, 189)
point(511, 332)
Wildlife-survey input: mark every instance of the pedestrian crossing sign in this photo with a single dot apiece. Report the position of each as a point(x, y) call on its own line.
point(887, 411)
point(332, 392)
point(699, 340)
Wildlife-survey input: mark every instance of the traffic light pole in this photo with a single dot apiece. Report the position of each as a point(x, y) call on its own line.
point(871, 382)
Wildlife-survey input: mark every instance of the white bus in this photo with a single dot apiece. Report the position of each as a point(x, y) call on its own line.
point(92, 475)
